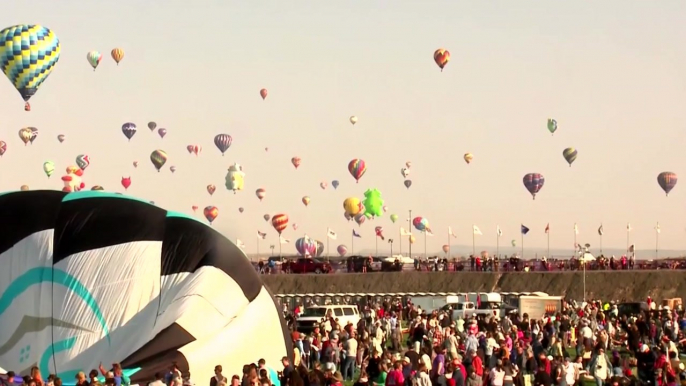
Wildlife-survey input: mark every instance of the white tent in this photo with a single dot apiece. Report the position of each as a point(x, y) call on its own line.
point(587, 258)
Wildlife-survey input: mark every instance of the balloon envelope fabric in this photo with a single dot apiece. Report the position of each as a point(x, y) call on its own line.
point(91, 277)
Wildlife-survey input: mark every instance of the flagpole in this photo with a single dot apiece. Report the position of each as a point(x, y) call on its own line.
point(400, 241)
point(352, 242)
point(376, 245)
point(497, 244)
point(522, 243)
point(327, 243)
point(548, 242)
point(657, 238)
point(425, 256)
point(258, 247)
point(601, 238)
point(473, 241)
point(575, 228)
point(279, 245)
point(448, 241)
point(410, 237)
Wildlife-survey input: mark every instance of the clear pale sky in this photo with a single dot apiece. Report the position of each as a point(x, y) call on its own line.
point(611, 73)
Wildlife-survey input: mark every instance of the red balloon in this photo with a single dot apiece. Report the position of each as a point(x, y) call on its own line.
point(126, 182)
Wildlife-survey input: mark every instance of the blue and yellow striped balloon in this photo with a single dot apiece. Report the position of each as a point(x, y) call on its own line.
point(28, 53)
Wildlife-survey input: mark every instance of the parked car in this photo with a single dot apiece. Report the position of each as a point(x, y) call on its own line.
point(306, 265)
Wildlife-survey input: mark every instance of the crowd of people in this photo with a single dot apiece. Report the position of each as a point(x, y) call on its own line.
point(399, 344)
point(396, 345)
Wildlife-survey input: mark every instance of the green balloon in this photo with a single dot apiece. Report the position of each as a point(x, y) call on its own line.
point(373, 203)
point(394, 217)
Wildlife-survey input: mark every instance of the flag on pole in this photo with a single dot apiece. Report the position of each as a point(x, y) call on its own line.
point(498, 231)
point(261, 235)
point(331, 234)
point(476, 230)
point(547, 228)
point(628, 227)
point(240, 244)
point(450, 232)
point(403, 232)
point(379, 233)
point(576, 229)
point(657, 228)
point(600, 230)
point(284, 240)
point(524, 229)
point(355, 234)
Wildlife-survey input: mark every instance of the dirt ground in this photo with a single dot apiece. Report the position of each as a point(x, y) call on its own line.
point(622, 285)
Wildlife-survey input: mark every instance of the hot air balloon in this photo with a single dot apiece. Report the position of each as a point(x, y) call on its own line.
point(295, 161)
point(129, 129)
point(152, 125)
point(158, 158)
point(420, 223)
point(29, 54)
point(222, 142)
point(83, 161)
point(394, 218)
point(667, 181)
point(357, 168)
point(468, 158)
point(342, 250)
point(353, 120)
point(407, 183)
point(385, 208)
point(352, 206)
point(211, 189)
point(162, 132)
point(49, 168)
point(194, 149)
point(446, 248)
point(295, 226)
point(24, 188)
point(195, 208)
point(72, 180)
point(412, 239)
point(34, 134)
point(211, 213)
point(360, 218)
point(334, 183)
point(126, 182)
point(408, 164)
point(135, 164)
point(266, 217)
point(97, 188)
point(240, 209)
point(94, 58)
point(61, 138)
point(533, 183)
point(323, 185)
point(404, 172)
point(280, 222)
point(441, 57)
point(235, 178)
point(263, 93)
point(347, 216)
point(306, 200)
point(172, 168)
point(117, 55)
point(306, 246)
point(3, 148)
point(552, 126)
point(514, 242)
point(25, 135)
point(260, 193)
point(570, 155)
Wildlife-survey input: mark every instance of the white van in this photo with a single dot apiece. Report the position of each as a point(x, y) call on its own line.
point(313, 316)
